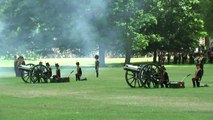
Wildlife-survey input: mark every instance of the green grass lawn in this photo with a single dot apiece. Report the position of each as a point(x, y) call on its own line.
point(107, 97)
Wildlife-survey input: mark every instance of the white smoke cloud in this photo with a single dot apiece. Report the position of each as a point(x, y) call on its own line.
point(1, 26)
point(80, 28)
point(83, 28)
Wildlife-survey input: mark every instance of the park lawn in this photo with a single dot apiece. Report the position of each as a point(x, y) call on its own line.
point(107, 97)
point(72, 61)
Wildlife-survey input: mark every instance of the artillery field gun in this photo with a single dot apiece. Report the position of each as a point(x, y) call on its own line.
point(31, 73)
point(148, 76)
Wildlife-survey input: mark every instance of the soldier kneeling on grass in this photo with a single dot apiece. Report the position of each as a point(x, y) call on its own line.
point(198, 75)
point(57, 76)
point(49, 70)
point(79, 72)
point(165, 79)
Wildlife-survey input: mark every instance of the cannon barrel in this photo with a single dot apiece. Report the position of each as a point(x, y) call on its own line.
point(25, 67)
point(132, 68)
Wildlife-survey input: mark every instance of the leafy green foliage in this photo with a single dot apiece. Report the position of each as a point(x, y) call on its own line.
point(46, 24)
point(206, 10)
point(178, 23)
point(130, 18)
point(118, 26)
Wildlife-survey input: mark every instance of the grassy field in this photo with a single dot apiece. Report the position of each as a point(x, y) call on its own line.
point(107, 97)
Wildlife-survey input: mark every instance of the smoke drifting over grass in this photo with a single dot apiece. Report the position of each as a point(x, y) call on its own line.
point(51, 23)
point(45, 24)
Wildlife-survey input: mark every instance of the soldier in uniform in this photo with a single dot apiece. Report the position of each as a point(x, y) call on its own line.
point(198, 75)
point(79, 72)
point(191, 57)
point(15, 65)
point(200, 60)
point(41, 70)
point(97, 65)
point(163, 57)
point(179, 57)
point(165, 78)
point(159, 57)
point(210, 54)
point(20, 61)
point(168, 57)
point(175, 57)
point(57, 76)
point(184, 57)
point(49, 70)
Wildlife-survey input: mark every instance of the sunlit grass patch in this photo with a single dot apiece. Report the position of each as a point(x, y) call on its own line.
point(107, 97)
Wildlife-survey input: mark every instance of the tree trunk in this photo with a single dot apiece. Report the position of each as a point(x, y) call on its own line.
point(155, 56)
point(128, 50)
point(127, 58)
point(128, 54)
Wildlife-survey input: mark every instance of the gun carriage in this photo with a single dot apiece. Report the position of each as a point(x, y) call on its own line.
point(31, 73)
point(148, 75)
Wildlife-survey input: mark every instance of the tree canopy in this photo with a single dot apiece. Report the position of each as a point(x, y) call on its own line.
point(121, 27)
point(207, 10)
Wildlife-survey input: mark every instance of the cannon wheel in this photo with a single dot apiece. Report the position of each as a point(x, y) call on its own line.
point(132, 79)
point(151, 75)
point(25, 75)
point(38, 74)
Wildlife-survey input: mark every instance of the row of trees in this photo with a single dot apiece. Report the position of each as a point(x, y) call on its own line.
point(122, 26)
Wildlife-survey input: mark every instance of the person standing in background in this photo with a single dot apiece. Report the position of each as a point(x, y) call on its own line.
point(20, 62)
point(168, 57)
point(79, 72)
point(97, 65)
point(175, 57)
point(15, 65)
point(191, 56)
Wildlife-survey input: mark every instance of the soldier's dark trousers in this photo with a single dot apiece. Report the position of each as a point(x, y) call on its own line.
point(164, 83)
point(97, 73)
point(195, 82)
point(77, 77)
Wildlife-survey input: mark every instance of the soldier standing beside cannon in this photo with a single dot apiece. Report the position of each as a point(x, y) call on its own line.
point(20, 61)
point(15, 65)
